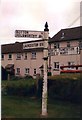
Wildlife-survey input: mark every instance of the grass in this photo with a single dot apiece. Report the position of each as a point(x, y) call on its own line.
point(20, 107)
point(23, 107)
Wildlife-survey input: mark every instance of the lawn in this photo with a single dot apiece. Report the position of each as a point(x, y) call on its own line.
point(23, 107)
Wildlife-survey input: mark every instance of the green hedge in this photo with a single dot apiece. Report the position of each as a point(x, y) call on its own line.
point(59, 87)
point(21, 87)
point(65, 90)
point(64, 87)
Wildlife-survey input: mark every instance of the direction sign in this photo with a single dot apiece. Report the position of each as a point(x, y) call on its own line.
point(29, 34)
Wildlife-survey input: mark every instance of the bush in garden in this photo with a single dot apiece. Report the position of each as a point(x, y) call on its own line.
point(28, 77)
point(59, 87)
point(21, 88)
point(63, 87)
point(65, 90)
point(49, 74)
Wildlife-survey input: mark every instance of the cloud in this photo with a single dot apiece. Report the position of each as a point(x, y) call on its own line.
point(32, 15)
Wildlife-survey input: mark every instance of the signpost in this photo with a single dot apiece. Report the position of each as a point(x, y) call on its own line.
point(44, 92)
point(45, 35)
point(29, 34)
point(38, 44)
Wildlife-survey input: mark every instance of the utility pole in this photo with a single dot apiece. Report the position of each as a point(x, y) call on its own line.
point(45, 65)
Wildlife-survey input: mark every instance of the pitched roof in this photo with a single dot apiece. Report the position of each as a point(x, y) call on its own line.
point(12, 48)
point(62, 35)
point(17, 47)
point(68, 34)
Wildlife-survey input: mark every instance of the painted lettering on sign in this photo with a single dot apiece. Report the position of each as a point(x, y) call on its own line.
point(33, 45)
point(29, 34)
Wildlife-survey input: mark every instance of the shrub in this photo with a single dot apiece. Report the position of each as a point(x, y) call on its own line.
point(65, 90)
point(63, 87)
point(21, 88)
point(59, 87)
point(16, 78)
point(28, 77)
point(49, 73)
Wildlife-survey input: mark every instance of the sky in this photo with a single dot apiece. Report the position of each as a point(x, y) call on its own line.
point(32, 15)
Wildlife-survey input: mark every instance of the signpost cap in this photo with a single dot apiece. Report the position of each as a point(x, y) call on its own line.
point(46, 27)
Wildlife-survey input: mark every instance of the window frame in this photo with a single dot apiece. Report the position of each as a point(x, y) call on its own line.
point(28, 71)
point(18, 56)
point(56, 45)
point(2, 56)
point(34, 71)
point(68, 44)
point(33, 55)
point(80, 44)
point(25, 56)
point(9, 58)
point(17, 71)
point(70, 63)
point(56, 66)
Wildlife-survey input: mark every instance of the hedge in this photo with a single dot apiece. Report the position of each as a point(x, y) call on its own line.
point(20, 88)
point(62, 87)
point(65, 90)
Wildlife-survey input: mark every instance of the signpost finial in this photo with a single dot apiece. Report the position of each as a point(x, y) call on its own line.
point(46, 27)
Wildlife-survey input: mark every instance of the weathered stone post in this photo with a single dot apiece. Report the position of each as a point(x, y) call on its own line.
point(45, 65)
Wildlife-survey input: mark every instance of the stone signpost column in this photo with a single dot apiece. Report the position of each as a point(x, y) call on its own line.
point(45, 66)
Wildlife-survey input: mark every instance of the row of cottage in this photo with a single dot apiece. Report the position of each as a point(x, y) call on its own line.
point(26, 58)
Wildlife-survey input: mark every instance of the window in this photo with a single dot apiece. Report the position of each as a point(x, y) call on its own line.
point(56, 65)
point(18, 71)
point(2, 56)
point(25, 56)
point(18, 56)
point(70, 63)
point(34, 71)
point(56, 45)
point(33, 55)
point(80, 44)
point(68, 44)
point(10, 56)
point(63, 35)
point(41, 44)
point(27, 70)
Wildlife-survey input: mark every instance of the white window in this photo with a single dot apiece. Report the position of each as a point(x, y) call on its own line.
point(63, 35)
point(34, 71)
point(70, 64)
point(56, 45)
point(33, 55)
point(27, 70)
point(2, 56)
point(56, 65)
point(80, 44)
point(18, 56)
point(10, 56)
point(68, 44)
point(25, 56)
point(41, 44)
point(18, 71)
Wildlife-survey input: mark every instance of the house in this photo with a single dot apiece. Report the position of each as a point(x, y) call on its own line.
point(64, 56)
point(66, 51)
point(23, 58)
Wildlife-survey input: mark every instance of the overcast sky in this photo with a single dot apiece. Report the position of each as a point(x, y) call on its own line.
point(32, 15)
